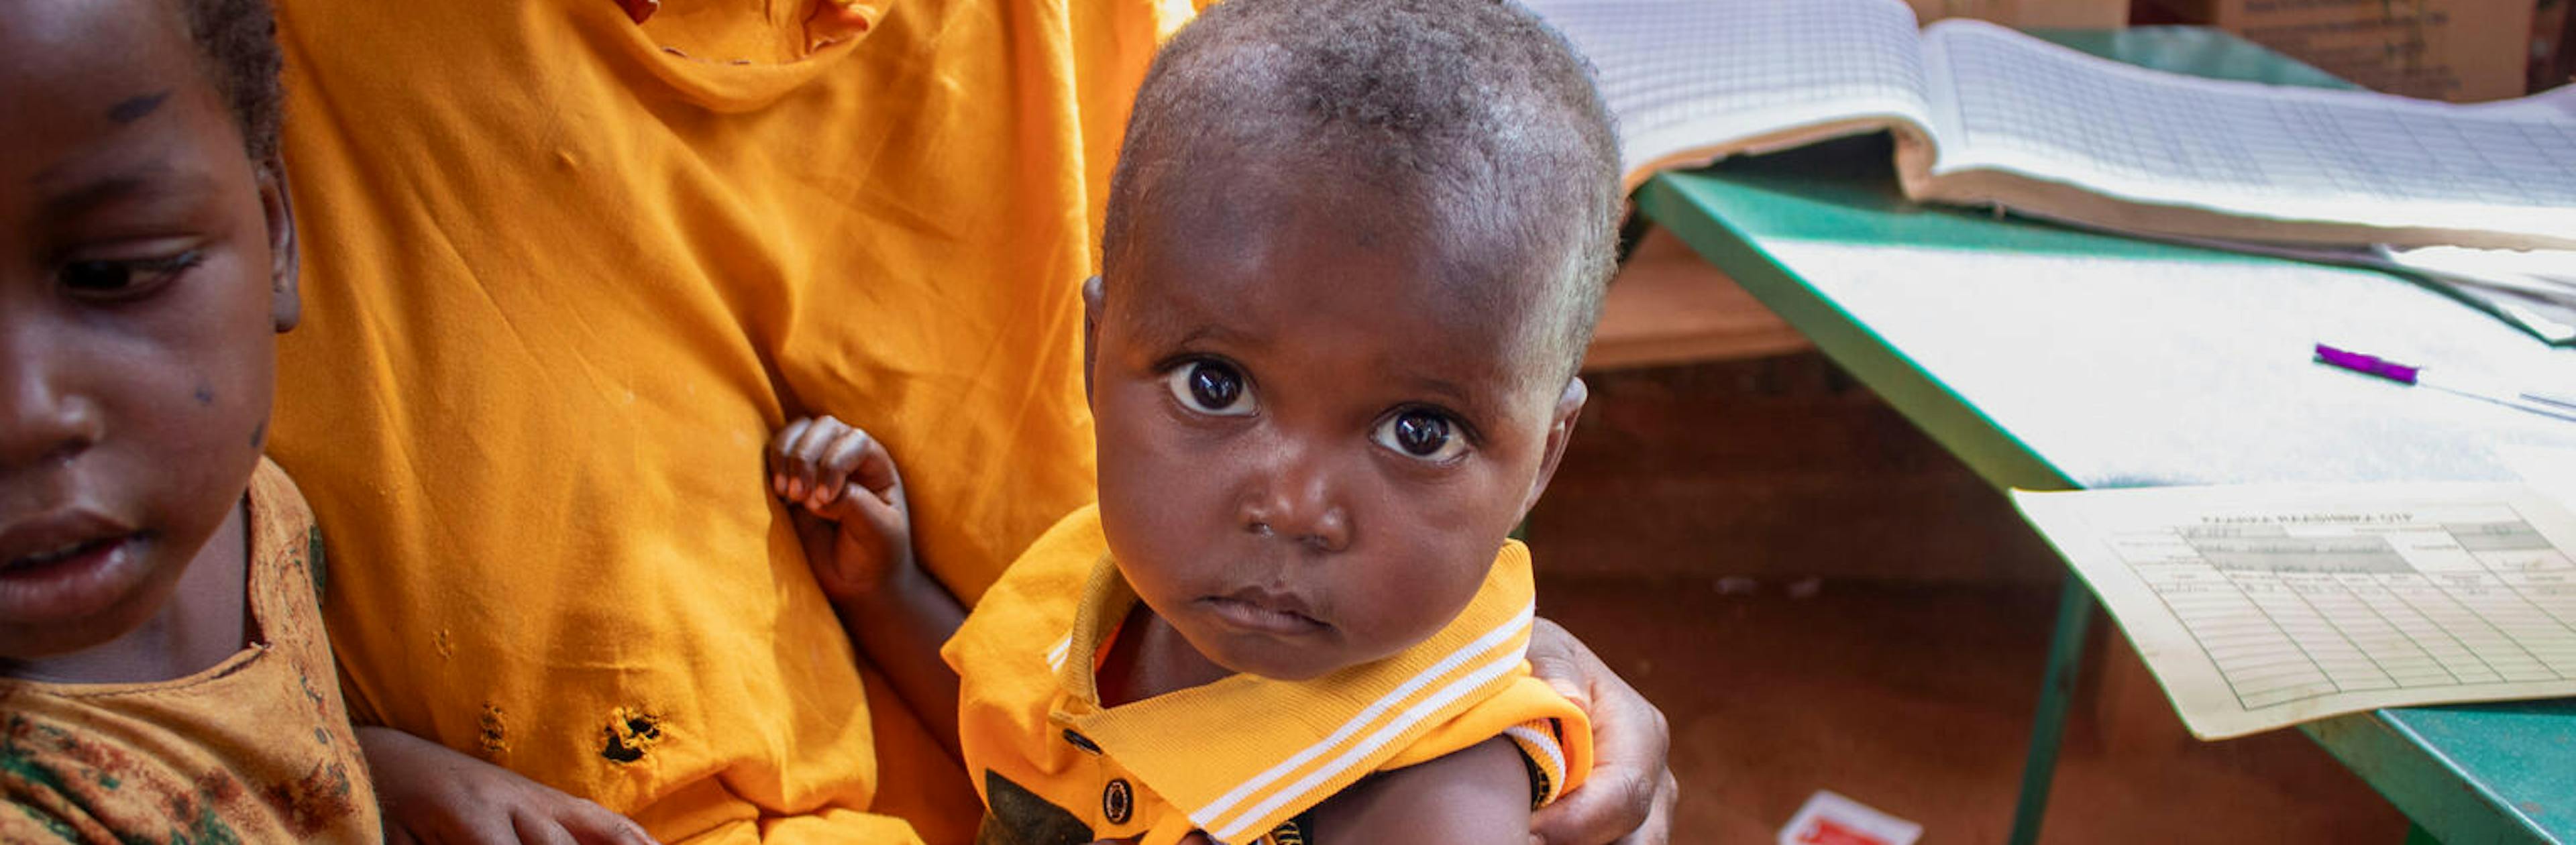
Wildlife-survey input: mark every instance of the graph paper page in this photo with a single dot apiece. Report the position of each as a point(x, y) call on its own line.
point(1699, 79)
point(2009, 102)
point(2261, 607)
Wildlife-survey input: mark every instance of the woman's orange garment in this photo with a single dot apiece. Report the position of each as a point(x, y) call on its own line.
point(256, 749)
point(564, 275)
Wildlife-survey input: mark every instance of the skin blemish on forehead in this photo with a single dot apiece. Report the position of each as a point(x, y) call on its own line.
point(132, 109)
point(205, 394)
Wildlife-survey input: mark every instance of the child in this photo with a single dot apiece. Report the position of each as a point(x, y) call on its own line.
point(163, 671)
point(1353, 255)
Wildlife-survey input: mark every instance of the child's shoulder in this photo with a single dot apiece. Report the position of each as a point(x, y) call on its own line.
point(1039, 595)
point(271, 486)
point(285, 544)
point(1054, 569)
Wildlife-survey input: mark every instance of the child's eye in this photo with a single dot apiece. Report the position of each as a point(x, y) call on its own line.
point(122, 278)
point(1422, 435)
point(1212, 388)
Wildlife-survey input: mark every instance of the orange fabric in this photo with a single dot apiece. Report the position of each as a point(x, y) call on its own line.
point(256, 749)
point(1241, 757)
point(565, 274)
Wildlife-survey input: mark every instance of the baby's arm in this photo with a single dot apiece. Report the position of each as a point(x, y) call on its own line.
point(1479, 796)
point(847, 499)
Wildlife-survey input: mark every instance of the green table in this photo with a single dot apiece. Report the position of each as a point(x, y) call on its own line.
point(2049, 358)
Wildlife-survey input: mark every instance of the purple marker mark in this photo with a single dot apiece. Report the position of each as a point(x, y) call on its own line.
point(2367, 364)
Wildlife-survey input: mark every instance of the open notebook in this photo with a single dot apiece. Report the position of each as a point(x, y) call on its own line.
point(1989, 117)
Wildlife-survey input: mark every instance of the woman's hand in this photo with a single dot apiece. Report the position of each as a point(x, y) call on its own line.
point(1628, 798)
point(434, 796)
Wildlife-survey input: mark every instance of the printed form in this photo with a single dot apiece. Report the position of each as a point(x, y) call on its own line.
point(2260, 607)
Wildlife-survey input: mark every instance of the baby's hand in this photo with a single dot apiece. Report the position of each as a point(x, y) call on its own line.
point(842, 489)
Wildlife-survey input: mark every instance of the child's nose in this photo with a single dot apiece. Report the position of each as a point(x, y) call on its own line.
point(40, 420)
point(1295, 502)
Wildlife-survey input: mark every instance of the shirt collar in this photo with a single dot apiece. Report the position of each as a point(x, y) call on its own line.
point(1246, 753)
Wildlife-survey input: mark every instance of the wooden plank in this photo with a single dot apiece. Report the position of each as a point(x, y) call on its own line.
point(1667, 306)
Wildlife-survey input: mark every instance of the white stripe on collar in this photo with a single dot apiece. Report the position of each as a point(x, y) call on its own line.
point(1211, 816)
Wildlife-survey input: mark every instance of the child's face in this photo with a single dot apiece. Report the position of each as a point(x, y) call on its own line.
point(1311, 445)
point(144, 272)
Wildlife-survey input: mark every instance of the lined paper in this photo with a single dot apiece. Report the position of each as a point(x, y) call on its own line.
point(2260, 607)
point(2054, 133)
point(1688, 75)
point(2010, 102)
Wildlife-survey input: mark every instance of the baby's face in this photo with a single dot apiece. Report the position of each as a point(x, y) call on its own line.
point(140, 296)
point(1311, 446)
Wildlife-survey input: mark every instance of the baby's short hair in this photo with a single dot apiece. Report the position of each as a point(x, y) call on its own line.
point(236, 43)
point(1474, 107)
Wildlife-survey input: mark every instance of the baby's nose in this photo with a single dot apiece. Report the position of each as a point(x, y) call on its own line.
point(1297, 503)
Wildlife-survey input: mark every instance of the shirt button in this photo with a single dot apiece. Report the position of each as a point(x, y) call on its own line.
point(1117, 802)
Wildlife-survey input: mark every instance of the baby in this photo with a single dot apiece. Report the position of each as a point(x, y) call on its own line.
point(1354, 252)
point(163, 671)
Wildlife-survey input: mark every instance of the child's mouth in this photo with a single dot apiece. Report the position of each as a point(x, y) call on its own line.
point(65, 569)
point(75, 550)
point(1260, 617)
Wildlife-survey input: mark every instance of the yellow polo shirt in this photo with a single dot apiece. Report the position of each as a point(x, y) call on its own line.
point(1241, 758)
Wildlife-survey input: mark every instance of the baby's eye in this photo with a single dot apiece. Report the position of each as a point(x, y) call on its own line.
point(121, 278)
point(1421, 434)
point(1213, 388)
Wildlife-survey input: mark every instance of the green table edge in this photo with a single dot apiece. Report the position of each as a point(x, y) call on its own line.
point(2382, 751)
point(2428, 787)
point(1987, 448)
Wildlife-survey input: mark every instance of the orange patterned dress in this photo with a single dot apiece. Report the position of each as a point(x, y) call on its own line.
point(256, 749)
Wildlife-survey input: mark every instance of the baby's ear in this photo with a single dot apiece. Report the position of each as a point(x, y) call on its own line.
point(1090, 330)
point(277, 204)
point(1560, 430)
